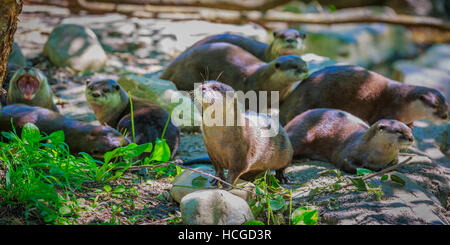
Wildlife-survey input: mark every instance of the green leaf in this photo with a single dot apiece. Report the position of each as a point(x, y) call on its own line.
point(359, 183)
point(253, 222)
point(305, 215)
point(384, 177)
point(107, 188)
point(397, 179)
point(277, 204)
point(57, 137)
point(273, 181)
point(119, 189)
point(161, 152)
point(30, 133)
point(363, 171)
point(199, 181)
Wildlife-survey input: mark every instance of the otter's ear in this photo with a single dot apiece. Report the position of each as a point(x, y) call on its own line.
point(116, 87)
point(277, 65)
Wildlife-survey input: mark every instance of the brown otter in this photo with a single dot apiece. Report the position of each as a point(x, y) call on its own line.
point(111, 105)
point(286, 42)
point(30, 86)
point(79, 136)
point(346, 141)
point(248, 144)
point(365, 94)
point(236, 67)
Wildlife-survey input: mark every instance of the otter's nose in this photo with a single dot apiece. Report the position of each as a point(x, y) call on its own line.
point(409, 138)
point(95, 95)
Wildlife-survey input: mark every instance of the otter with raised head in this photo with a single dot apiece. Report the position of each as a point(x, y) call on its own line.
point(235, 67)
point(30, 86)
point(346, 141)
point(79, 136)
point(246, 147)
point(286, 42)
point(111, 105)
point(365, 94)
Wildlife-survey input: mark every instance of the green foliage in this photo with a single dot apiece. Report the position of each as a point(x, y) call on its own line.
point(305, 215)
point(42, 175)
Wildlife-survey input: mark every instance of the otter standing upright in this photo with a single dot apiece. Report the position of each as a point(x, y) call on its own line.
point(286, 42)
point(111, 105)
point(252, 144)
point(365, 94)
point(346, 141)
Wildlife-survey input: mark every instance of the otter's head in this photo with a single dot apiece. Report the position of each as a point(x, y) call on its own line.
point(102, 139)
point(287, 70)
point(211, 92)
point(26, 83)
point(392, 134)
point(430, 103)
point(287, 42)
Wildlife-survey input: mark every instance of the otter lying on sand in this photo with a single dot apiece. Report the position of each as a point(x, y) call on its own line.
point(346, 141)
point(365, 94)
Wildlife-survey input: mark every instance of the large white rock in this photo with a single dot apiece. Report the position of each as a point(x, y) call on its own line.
point(214, 207)
point(75, 46)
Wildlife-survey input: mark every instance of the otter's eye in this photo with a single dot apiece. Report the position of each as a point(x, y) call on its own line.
point(277, 65)
point(382, 127)
point(116, 87)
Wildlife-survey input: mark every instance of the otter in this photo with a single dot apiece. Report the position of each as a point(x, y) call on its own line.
point(242, 147)
point(29, 86)
point(365, 94)
point(111, 105)
point(79, 136)
point(346, 141)
point(235, 67)
point(286, 42)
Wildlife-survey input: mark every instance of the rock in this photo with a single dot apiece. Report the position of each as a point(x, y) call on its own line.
point(75, 46)
point(358, 44)
point(16, 56)
point(165, 94)
point(316, 62)
point(432, 69)
point(190, 181)
point(214, 207)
